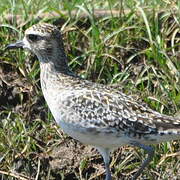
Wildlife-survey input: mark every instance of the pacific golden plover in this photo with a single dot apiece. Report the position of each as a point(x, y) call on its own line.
point(92, 113)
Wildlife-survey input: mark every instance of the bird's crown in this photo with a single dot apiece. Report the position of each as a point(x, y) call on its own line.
point(43, 29)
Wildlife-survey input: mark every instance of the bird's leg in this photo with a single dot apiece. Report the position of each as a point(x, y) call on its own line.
point(108, 171)
point(150, 152)
point(105, 152)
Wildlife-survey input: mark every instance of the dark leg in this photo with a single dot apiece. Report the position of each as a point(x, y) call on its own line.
point(106, 157)
point(108, 172)
point(150, 152)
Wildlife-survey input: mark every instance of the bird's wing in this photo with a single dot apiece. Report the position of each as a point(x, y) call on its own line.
point(107, 109)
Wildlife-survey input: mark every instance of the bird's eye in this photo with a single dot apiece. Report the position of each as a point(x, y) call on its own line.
point(33, 37)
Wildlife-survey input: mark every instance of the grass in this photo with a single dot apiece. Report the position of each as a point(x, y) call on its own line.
point(134, 47)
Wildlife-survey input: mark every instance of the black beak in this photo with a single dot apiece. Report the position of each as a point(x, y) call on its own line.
point(18, 44)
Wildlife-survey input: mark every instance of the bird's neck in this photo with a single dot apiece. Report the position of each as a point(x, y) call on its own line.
point(56, 71)
point(54, 68)
point(58, 61)
point(51, 70)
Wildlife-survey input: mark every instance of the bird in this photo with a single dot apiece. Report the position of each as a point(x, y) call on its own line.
point(93, 113)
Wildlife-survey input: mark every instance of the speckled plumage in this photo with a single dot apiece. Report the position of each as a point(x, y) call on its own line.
point(93, 113)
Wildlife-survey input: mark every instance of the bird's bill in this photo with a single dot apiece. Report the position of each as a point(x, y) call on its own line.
point(18, 44)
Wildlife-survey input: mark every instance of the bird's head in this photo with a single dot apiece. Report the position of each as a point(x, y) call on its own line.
point(44, 40)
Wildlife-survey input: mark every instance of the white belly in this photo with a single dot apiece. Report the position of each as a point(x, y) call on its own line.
point(92, 137)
